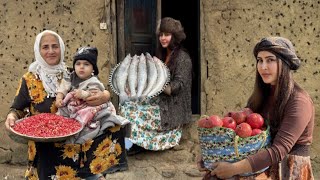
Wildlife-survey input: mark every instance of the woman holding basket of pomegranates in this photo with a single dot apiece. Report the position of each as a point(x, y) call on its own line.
point(290, 111)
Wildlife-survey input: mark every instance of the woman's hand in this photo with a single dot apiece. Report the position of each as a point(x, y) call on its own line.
point(167, 90)
point(59, 100)
point(59, 103)
point(10, 121)
point(206, 173)
point(223, 170)
point(98, 98)
point(200, 165)
point(226, 170)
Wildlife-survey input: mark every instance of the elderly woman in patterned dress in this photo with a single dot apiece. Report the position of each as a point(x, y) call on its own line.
point(36, 93)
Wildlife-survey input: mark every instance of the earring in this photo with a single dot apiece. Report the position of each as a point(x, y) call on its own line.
point(92, 74)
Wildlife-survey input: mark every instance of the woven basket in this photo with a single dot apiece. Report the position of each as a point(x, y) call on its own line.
point(223, 144)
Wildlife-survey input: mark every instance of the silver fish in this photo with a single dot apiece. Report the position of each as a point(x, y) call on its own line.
point(161, 80)
point(122, 75)
point(151, 75)
point(142, 75)
point(133, 77)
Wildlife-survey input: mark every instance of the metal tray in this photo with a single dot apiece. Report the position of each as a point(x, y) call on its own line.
point(18, 136)
point(116, 91)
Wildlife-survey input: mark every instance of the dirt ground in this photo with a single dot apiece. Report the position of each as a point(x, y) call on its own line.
point(176, 163)
point(172, 164)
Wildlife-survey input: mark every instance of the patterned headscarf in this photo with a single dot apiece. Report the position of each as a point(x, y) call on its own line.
point(280, 47)
point(48, 74)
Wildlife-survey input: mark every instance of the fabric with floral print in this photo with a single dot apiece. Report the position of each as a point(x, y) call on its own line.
point(59, 160)
point(146, 125)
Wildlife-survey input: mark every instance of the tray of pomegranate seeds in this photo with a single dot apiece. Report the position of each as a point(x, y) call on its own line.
point(46, 127)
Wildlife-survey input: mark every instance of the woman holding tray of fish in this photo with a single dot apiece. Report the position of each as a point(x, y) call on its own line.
point(36, 92)
point(160, 127)
point(290, 112)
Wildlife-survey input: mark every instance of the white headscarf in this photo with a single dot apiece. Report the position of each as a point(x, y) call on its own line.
point(48, 74)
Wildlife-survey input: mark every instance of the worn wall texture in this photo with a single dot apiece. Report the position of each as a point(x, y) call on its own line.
point(229, 30)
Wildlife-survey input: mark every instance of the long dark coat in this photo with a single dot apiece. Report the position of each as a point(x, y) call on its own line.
point(176, 108)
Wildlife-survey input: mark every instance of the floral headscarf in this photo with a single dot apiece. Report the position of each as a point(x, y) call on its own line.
point(48, 74)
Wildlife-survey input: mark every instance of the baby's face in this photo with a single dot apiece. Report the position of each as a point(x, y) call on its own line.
point(83, 69)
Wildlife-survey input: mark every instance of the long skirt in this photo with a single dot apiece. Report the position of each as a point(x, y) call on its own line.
point(292, 167)
point(75, 161)
point(146, 129)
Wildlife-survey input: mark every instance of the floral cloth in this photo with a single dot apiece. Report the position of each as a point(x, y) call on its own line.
point(146, 125)
point(60, 160)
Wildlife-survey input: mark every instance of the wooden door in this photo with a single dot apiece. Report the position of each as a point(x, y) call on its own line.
point(137, 27)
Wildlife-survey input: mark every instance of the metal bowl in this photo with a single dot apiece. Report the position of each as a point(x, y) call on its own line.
point(112, 81)
point(21, 137)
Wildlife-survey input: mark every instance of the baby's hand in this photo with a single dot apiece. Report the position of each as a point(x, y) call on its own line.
point(78, 93)
point(59, 103)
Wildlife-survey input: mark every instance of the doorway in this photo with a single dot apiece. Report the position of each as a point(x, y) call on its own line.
point(188, 12)
point(136, 24)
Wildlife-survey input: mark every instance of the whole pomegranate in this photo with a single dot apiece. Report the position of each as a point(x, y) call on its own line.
point(205, 122)
point(243, 130)
point(229, 114)
point(216, 121)
point(255, 120)
point(229, 122)
point(239, 117)
point(256, 132)
point(247, 111)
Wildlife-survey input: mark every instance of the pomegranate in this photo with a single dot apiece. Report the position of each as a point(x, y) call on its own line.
point(229, 114)
point(256, 132)
point(247, 111)
point(239, 117)
point(255, 120)
point(229, 122)
point(47, 125)
point(216, 121)
point(205, 122)
point(243, 130)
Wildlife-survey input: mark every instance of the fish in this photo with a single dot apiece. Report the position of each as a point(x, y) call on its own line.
point(151, 75)
point(142, 75)
point(161, 79)
point(122, 75)
point(133, 77)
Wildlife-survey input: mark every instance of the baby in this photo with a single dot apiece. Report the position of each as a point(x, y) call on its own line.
point(71, 95)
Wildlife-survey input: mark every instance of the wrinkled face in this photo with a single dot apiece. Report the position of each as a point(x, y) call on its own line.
point(268, 66)
point(165, 39)
point(83, 69)
point(50, 49)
